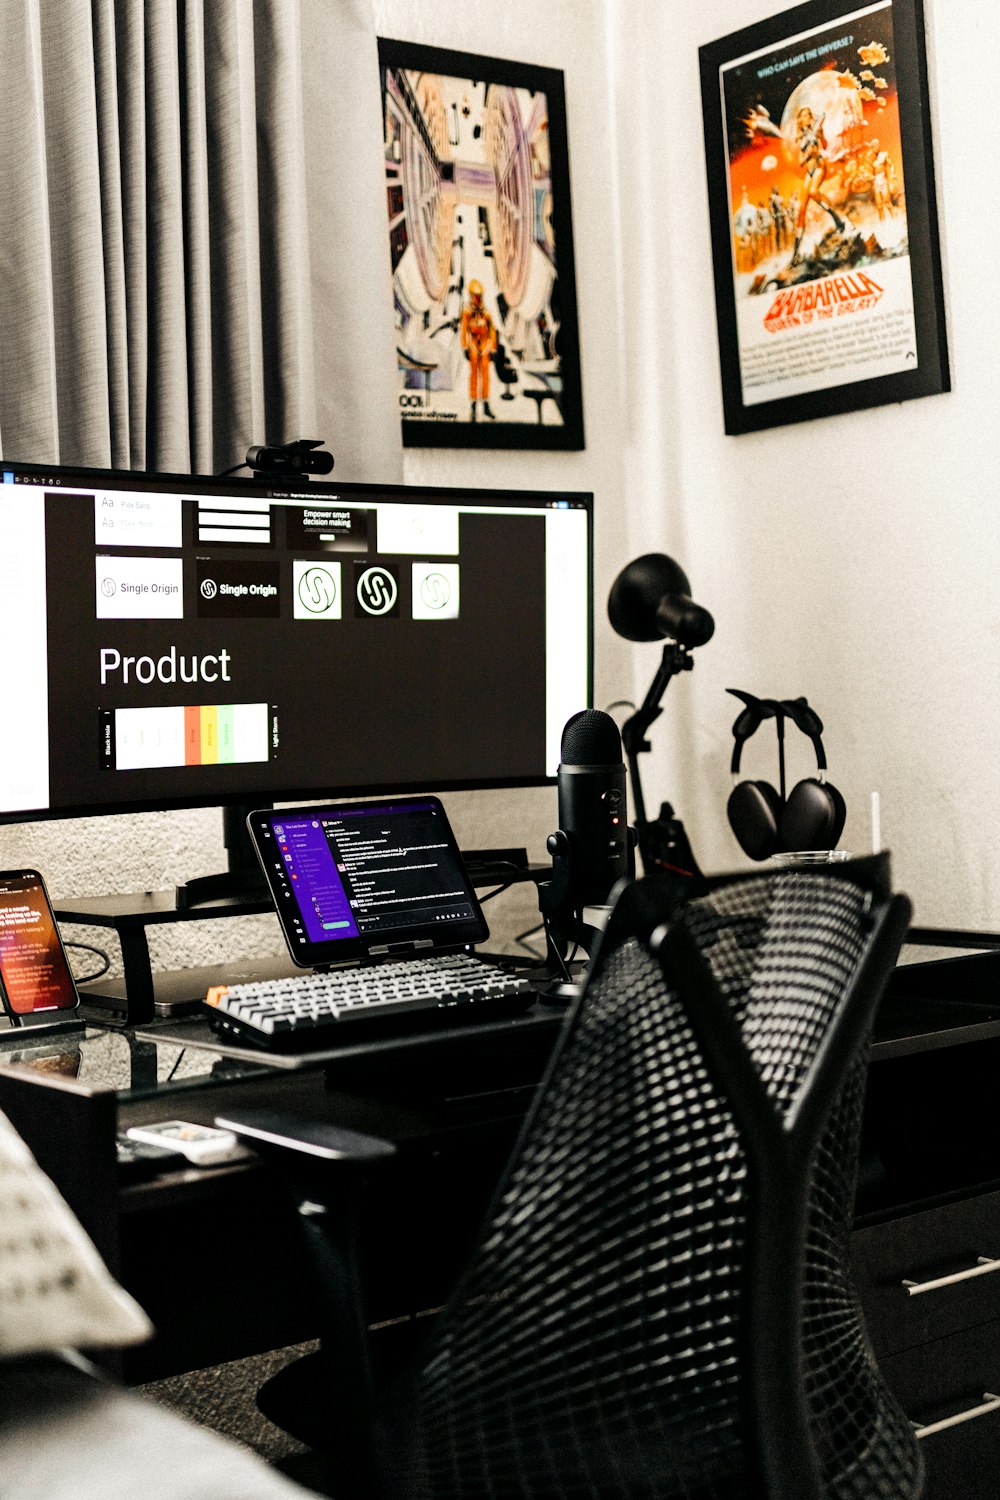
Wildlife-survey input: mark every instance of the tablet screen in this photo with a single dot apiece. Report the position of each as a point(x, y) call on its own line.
point(367, 879)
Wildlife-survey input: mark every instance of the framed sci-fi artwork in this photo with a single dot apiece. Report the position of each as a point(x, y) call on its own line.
point(481, 246)
point(823, 216)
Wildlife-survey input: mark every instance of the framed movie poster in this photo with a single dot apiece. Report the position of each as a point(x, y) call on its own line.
point(824, 224)
point(481, 246)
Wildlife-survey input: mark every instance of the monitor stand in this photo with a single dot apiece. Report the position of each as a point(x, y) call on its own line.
point(244, 877)
point(176, 992)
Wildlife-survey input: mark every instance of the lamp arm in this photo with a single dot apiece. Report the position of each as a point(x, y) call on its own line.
point(638, 800)
point(675, 659)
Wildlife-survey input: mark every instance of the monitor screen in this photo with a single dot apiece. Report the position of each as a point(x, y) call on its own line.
point(176, 641)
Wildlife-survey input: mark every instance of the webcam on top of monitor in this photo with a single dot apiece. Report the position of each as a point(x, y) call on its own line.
point(302, 456)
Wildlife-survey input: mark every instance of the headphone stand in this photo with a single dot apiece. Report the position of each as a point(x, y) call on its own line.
point(768, 821)
point(779, 724)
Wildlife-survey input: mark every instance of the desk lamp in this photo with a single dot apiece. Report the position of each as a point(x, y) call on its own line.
point(650, 600)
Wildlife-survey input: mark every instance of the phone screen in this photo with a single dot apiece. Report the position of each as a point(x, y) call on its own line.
point(33, 967)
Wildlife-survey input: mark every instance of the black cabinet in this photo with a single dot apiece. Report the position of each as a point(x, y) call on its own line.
point(926, 1246)
point(949, 1387)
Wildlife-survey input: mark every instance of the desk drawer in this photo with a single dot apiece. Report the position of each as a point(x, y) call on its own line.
point(947, 1255)
point(951, 1388)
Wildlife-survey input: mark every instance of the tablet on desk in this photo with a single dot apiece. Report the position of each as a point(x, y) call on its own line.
point(364, 880)
point(376, 896)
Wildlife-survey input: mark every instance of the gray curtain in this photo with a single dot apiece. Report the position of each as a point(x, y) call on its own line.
point(155, 284)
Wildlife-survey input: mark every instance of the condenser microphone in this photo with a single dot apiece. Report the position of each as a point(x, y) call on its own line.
point(592, 810)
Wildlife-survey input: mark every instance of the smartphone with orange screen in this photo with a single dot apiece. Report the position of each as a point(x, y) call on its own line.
point(36, 982)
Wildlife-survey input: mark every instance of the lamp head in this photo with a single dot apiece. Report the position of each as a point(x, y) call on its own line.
point(650, 600)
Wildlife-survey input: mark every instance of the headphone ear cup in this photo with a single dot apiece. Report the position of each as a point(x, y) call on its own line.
point(813, 817)
point(839, 815)
point(754, 808)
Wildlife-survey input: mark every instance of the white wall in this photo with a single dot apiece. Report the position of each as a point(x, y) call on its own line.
point(851, 559)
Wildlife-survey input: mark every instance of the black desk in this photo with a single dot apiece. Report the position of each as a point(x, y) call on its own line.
point(211, 1252)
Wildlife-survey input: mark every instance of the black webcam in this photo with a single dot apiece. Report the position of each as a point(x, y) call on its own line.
point(278, 460)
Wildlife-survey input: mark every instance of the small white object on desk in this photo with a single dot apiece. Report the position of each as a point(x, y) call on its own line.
point(203, 1145)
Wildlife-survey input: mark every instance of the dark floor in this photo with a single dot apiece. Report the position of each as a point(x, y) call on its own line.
point(222, 1397)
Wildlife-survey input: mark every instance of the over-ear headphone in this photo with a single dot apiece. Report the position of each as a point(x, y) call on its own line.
point(766, 821)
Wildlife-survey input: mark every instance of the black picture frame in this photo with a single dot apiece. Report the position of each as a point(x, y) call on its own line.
point(477, 189)
point(815, 319)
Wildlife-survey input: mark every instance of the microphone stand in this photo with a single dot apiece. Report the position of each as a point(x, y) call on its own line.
point(663, 844)
point(565, 929)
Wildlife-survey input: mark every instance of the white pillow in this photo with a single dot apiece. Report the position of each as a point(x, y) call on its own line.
point(55, 1291)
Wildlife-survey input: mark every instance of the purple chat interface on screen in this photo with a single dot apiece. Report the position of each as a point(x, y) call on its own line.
point(324, 857)
point(316, 881)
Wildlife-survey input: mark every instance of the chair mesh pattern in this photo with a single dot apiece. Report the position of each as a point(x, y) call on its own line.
point(593, 1349)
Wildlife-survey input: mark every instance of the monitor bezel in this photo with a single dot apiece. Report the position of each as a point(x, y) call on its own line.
point(246, 798)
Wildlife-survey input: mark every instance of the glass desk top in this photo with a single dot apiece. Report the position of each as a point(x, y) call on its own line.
point(134, 1065)
point(167, 1057)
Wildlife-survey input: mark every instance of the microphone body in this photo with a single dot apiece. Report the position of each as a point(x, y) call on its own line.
point(592, 808)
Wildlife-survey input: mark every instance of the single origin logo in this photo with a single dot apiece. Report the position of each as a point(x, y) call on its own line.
point(317, 590)
point(139, 588)
point(435, 591)
point(237, 590)
point(376, 591)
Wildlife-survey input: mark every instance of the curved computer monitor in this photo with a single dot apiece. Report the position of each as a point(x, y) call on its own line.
point(173, 641)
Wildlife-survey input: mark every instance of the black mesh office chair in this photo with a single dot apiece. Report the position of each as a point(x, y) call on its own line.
point(660, 1302)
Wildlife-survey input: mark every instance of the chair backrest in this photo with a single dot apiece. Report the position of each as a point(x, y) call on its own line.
point(660, 1303)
